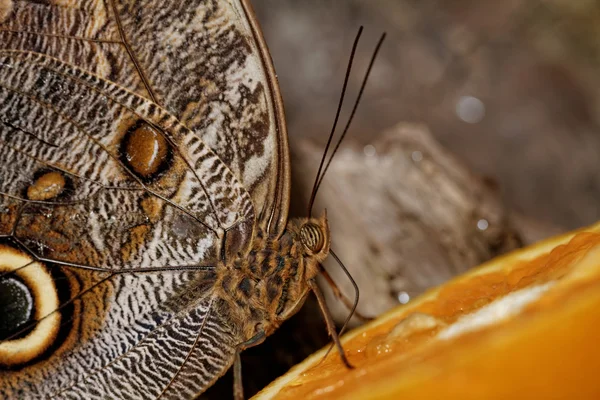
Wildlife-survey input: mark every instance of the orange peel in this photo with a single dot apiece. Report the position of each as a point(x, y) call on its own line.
point(524, 325)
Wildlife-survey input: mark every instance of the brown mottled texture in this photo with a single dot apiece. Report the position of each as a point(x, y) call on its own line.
point(200, 196)
point(145, 164)
point(5, 9)
point(202, 61)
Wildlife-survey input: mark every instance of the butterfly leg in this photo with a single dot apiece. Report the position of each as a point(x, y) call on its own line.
point(340, 296)
point(312, 283)
point(238, 386)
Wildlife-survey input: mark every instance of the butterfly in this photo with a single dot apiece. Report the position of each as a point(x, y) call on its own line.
point(144, 192)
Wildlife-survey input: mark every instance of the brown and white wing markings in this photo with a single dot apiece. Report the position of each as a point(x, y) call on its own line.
point(118, 320)
point(205, 62)
point(120, 216)
point(176, 360)
point(103, 219)
point(84, 85)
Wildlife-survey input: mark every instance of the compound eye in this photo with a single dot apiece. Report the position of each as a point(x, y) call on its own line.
point(312, 237)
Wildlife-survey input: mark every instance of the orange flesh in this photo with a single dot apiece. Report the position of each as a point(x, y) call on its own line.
point(548, 349)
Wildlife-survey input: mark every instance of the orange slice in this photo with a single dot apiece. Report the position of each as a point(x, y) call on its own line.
point(525, 325)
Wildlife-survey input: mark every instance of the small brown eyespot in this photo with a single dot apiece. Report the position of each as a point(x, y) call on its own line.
point(46, 187)
point(145, 151)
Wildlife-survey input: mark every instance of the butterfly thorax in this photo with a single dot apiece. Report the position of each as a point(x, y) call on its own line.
point(270, 284)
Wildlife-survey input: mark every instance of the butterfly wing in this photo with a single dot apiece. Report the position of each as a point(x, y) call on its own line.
point(174, 361)
point(79, 87)
point(205, 62)
point(110, 307)
point(127, 336)
point(109, 211)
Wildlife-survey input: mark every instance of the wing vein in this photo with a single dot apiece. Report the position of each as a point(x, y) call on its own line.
point(70, 173)
point(66, 303)
point(116, 159)
point(133, 270)
point(191, 349)
point(131, 54)
point(18, 128)
point(114, 360)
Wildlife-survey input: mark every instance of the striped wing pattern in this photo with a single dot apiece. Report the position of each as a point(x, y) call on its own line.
point(109, 219)
point(175, 361)
point(132, 245)
point(125, 329)
point(203, 61)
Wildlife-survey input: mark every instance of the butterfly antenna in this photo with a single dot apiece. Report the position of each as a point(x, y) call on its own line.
point(356, 103)
point(335, 121)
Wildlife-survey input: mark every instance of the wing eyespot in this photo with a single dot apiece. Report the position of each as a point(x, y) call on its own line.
point(47, 186)
point(16, 307)
point(146, 152)
point(30, 295)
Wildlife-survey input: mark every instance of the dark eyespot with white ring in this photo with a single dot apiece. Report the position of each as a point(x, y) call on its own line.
point(29, 324)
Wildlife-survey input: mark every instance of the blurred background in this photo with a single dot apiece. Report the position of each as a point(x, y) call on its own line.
point(532, 65)
point(478, 133)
